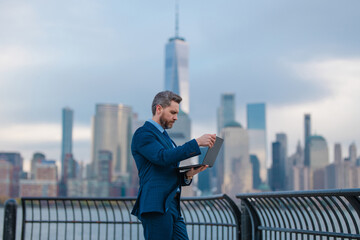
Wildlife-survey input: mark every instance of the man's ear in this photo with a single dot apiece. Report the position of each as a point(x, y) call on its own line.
point(159, 108)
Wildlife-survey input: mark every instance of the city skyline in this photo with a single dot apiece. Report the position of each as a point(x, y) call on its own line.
point(233, 164)
point(345, 149)
point(80, 56)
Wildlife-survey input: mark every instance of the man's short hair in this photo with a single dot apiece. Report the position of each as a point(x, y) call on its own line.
point(164, 99)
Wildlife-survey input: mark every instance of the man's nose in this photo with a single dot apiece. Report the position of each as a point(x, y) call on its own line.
point(175, 117)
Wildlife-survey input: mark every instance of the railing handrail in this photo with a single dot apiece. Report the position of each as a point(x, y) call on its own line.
point(332, 213)
point(308, 193)
point(261, 213)
point(217, 196)
point(78, 198)
point(216, 216)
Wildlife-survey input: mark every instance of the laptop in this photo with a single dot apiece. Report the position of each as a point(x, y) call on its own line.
point(210, 156)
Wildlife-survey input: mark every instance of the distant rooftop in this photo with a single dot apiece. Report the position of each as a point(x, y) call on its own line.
point(233, 124)
point(316, 137)
point(176, 38)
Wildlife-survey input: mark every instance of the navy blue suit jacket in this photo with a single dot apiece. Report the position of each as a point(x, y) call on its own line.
point(157, 161)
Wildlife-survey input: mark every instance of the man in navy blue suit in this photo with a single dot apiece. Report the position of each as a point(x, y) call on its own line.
point(157, 158)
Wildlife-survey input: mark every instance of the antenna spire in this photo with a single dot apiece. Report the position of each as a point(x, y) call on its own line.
point(176, 18)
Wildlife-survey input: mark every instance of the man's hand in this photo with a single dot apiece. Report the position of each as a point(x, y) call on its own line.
point(206, 140)
point(193, 171)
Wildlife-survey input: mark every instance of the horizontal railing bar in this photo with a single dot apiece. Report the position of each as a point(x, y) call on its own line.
point(319, 193)
point(80, 222)
point(309, 232)
point(213, 197)
point(212, 224)
point(118, 222)
point(76, 199)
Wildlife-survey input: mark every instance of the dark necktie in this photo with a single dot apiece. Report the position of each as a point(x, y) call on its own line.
point(168, 137)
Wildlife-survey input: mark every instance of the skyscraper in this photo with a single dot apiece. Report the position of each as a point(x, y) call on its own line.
point(67, 129)
point(44, 181)
point(307, 134)
point(276, 181)
point(335, 171)
point(112, 132)
point(337, 153)
point(352, 153)
point(236, 171)
point(256, 124)
point(256, 116)
point(6, 179)
point(177, 81)
point(319, 159)
point(177, 67)
point(298, 174)
point(105, 158)
point(37, 158)
point(319, 153)
point(226, 111)
point(284, 167)
point(278, 168)
point(105, 171)
point(256, 171)
point(16, 162)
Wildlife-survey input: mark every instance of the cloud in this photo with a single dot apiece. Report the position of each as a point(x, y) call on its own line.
point(335, 117)
point(28, 138)
point(341, 75)
point(40, 133)
point(77, 54)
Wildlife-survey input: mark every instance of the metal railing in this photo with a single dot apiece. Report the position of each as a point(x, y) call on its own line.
point(79, 218)
point(324, 214)
point(306, 215)
point(215, 217)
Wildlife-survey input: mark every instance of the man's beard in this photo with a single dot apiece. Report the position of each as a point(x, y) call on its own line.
point(165, 124)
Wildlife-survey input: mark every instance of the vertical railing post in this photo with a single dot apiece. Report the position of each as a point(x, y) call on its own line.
point(250, 222)
point(245, 223)
point(237, 214)
point(9, 231)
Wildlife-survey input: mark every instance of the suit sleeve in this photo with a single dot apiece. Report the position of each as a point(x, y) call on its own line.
point(149, 146)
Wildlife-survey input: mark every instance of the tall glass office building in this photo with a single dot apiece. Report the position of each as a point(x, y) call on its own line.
point(256, 124)
point(177, 70)
point(284, 166)
point(67, 127)
point(112, 131)
point(307, 134)
point(235, 175)
point(226, 111)
point(319, 159)
point(177, 81)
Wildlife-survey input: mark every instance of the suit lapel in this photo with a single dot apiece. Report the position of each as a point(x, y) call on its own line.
point(160, 135)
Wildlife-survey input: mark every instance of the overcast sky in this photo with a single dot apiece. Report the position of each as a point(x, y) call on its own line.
point(296, 56)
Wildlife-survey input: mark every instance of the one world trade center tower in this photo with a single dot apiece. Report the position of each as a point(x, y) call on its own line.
point(177, 67)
